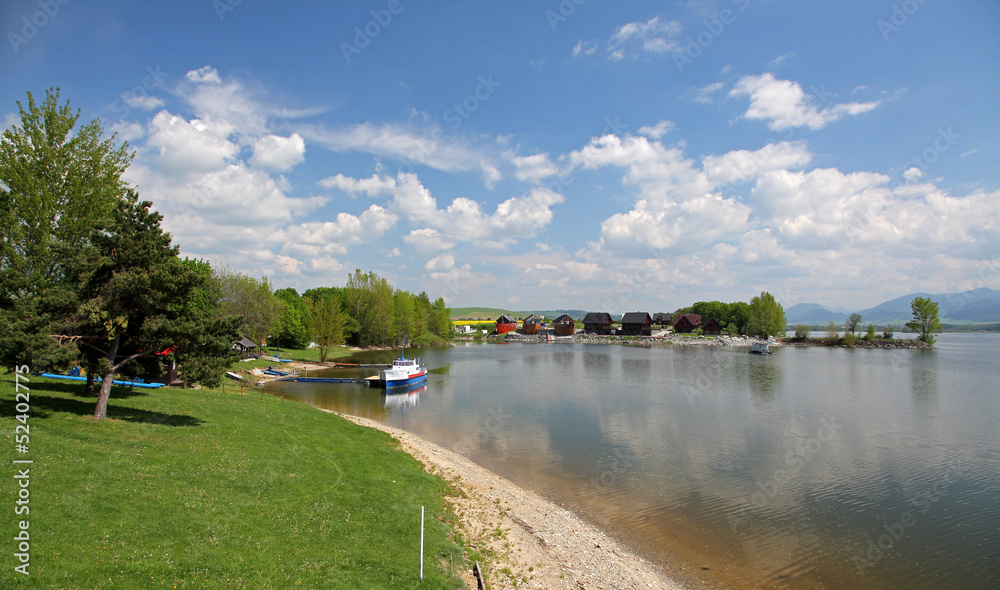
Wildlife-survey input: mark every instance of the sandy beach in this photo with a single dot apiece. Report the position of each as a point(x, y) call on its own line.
point(536, 543)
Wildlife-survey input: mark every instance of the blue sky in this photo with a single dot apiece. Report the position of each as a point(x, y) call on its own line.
point(540, 155)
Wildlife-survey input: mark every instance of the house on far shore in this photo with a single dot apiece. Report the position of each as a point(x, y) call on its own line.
point(712, 328)
point(685, 323)
point(598, 323)
point(531, 324)
point(637, 323)
point(505, 324)
point(663, 319)
point(564, 325)
point(245, 347)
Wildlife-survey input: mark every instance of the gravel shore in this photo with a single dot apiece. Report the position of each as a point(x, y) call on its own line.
point(540, 544)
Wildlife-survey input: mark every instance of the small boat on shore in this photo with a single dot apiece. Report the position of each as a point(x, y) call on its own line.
point(531, 324)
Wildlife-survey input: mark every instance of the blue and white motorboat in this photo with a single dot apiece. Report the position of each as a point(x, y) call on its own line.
point(403, 372)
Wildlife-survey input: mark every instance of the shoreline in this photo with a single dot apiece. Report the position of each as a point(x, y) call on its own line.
point(536, 542)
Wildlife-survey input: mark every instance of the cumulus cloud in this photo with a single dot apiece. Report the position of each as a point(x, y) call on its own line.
point(740, 165)
point(784, 105)
point(533, 168)
point(277, 153)
point(373, 186)
point(427, 240)
point(317, 238)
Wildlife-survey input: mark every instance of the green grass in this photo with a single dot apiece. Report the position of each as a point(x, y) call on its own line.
point(204, 489)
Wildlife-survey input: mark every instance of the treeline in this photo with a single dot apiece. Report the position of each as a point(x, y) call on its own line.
point(367, 312)
point(763, 316)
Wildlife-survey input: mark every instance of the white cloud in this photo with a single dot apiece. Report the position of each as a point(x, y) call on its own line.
point(704, 93)
point(374, 186)
point(533, 168)
point(442, 263)
point(652, 37)
point(277, 153)
point(191, 147)
point(657, 131)
point(147, 103)
point(584, 48)
point(204, 75)
point(740, 165)
point(316, 238)
point(784, 105)
point(913, 173)
point(427, 240)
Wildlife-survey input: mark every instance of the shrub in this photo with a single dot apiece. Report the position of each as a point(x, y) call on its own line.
point(801, 332)
point(849, 338)
point(887, 333)
point(870, 333)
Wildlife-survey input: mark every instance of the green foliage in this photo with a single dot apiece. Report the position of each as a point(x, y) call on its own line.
point(801, 332)
point(328, 324)
point(832, 336)
point(925, 318)
point(767, 316)
point(849, 338)
point(852, 323)
point(292, 329)
point(250, 299)
point(870, 333)
point(368, 302)
point(887, 333)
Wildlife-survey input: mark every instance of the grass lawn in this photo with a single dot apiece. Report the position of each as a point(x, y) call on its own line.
point(204, 489)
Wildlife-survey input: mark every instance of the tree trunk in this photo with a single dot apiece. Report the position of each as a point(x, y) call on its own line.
point(89, 388)
point(101, 411)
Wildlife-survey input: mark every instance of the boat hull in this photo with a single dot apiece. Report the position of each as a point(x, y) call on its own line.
point(565, 329)
point(504, 328)
point(413, 380)
point(530, 329)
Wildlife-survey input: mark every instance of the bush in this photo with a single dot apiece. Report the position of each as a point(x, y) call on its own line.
point(801, 332)
point(831, 334)
point(870, 333)
point(849, 338)
point(887, 333)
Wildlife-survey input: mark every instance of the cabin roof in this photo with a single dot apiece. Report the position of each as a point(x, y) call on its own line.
point(636, 317)
point(662, 317)
point(506, 319)
point(247, 343)
point(692, 318)
point(565, 319)
point(532, 319)
point(596, 317)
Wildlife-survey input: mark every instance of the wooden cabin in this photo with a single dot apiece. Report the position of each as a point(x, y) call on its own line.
point(712, 328)
point(598, 323)
point(564, 325)
point(531, 324)
point(663, 319)
point(505, 324)
point(685, 323)
point(637, 323)
point(245, 347)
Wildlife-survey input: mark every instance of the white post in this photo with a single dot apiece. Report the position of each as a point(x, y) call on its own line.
point(421, 543)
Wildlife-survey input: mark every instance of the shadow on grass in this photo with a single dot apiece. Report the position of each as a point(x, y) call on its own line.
point(77, 388)
point(44, 406)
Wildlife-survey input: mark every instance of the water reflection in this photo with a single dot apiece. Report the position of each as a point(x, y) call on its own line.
point(400, 398)
point(778, 467)
point(764, 376)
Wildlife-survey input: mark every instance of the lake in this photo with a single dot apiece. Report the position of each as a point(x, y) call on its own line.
point(809, 468)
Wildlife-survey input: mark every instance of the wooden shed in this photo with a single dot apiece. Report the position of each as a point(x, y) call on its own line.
point(245, 347)
point(598, 323)
point(637, 323)
point(531, 324)
point(505, 324)
point(564, 325)
point(685, 323)
point(712, 328)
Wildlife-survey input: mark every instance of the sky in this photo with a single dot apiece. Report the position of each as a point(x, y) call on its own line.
point(550, 154)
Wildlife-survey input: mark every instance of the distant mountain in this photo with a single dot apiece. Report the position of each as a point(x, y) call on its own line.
point(813, 314)
point(980, 305)
point(977, 305)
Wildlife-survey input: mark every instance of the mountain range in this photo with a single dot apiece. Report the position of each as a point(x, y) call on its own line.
point(974, 306)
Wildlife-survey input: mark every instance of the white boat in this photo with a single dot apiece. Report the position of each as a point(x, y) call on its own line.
point(403, 372)
point(760, 347)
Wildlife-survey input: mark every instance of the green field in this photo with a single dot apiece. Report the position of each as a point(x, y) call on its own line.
point(211, 489)
point(481, 313)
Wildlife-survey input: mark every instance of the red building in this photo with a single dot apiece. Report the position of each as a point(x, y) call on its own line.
point(685, 323)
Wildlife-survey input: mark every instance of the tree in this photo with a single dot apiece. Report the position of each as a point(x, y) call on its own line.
point(831, 333)
point(138, 305)
point(767, 317)
point(368, 301)
point(852, 323)
point(925, 318)
point(56, 188)
point(801, 332)
point(328, 324)
point(870, 333)
point(291, 327)
point(252, 300)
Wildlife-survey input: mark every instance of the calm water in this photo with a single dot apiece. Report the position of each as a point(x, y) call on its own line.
point(808, 468)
